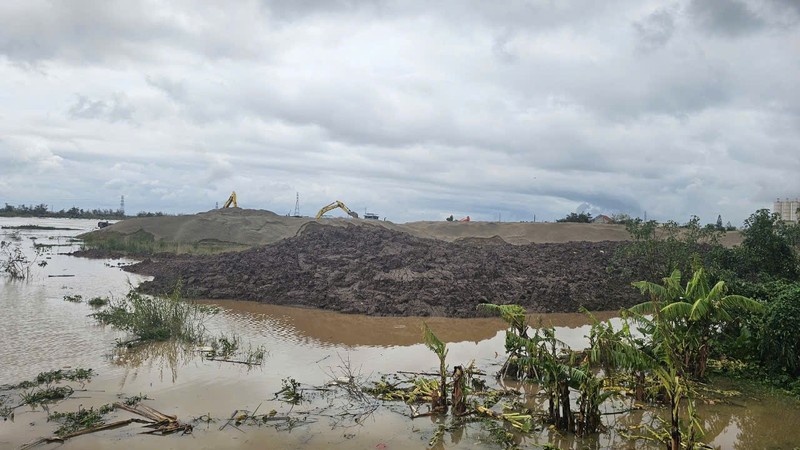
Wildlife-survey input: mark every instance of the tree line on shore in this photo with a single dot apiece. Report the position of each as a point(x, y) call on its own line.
point(43, 210)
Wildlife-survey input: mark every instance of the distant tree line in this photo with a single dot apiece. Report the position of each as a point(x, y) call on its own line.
point(625, 219)
point(43, 210)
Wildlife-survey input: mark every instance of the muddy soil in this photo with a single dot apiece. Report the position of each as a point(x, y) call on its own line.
point(378, 271)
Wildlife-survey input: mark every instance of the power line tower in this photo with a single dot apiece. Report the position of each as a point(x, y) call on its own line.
point(122, 205)
point(297, 206)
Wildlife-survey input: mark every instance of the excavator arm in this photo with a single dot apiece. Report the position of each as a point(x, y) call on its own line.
point(334, 205)
point(231, 201)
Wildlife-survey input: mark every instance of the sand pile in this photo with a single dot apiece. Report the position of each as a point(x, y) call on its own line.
point(250, 227)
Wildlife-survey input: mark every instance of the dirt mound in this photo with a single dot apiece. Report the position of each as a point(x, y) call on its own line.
point(519, 233)
point(377, 271)
point(229, 225)
point(250, 227)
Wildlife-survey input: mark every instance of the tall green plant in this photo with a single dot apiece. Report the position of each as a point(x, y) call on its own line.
point(664, 348)
point(780, 332)
point(696, 311)
point(440, 349)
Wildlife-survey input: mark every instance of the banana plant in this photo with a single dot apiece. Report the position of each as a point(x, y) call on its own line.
point(439, 402)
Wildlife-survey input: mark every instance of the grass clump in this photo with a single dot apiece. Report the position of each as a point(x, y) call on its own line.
point(46, 395)
point(77, 298)
point(230, 349)
point(98, 302)
point(81, 419)
point(224, 347)
point(157, 318)
point(135, 399)
point(54, 376)
point(290, 391)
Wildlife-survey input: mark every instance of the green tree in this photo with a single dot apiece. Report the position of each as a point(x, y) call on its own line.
point(767, 247)
point(780, 333)
point(696, 311)
point(575, 217)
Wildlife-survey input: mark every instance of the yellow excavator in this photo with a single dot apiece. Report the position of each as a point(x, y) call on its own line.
point(334, 205)
point(231, 201)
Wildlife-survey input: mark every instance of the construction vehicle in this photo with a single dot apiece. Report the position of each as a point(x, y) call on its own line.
point(465, 219)
point(231, 201)
point(373, 216)
point(334, 205)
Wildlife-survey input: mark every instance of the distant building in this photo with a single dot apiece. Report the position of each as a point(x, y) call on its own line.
point(787, 209)
point(602, 218)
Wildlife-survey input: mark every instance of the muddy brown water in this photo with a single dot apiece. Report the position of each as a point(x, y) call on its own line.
point(40, 331)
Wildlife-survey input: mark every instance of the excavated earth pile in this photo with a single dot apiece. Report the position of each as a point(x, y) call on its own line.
point(379, 271)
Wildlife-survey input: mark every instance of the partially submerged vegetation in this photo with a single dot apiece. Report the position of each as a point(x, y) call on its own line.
point(156, 318)
point(46, 388)
point(75, 298)
point(171, 318)
point(661, 356)
point(14, 262)
point(73, 421)
point(764, 346)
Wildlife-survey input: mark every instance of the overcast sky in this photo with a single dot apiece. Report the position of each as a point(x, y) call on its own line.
point(411, 109)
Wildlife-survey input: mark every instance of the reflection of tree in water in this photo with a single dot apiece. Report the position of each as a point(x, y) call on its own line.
point(715, 421)
point(764, 425)
point(169, 355)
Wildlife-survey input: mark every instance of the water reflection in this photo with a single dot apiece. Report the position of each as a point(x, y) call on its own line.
point(317, 327)
point(159, 357)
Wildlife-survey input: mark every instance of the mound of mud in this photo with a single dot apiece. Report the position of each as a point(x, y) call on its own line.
point(378, 271)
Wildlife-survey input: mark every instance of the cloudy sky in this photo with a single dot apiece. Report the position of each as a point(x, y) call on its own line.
point(411, 109)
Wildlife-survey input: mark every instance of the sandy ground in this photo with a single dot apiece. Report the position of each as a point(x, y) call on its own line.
point(257, 227)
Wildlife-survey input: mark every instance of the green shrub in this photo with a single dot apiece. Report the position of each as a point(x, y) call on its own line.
point(97, 302)
point(157, 318)
point(780, 332)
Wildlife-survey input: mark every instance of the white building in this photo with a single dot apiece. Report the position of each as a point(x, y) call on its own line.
point(787, 209)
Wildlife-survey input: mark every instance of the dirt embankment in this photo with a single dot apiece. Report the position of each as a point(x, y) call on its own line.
point(237, 228)
point(379, 271)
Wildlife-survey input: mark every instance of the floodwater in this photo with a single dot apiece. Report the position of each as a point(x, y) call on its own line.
point(39, 331)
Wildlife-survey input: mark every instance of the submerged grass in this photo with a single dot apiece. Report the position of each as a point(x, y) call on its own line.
point(46, 395)
point(157, 318)
point(230, 349)
point(77, 298)
point(98, 302)
point(80, 419)
point(54, 376)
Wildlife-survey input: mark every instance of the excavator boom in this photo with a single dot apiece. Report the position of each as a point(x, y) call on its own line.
point(231, 201)
point(334, 205)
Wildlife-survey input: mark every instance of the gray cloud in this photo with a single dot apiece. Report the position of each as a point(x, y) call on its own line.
point(415, 110)
point(726, 17)
point(114, 110)
point(655, 30)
